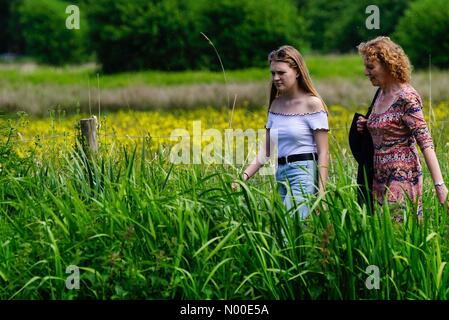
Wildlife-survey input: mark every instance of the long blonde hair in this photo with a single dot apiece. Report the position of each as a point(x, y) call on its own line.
point(293, 58)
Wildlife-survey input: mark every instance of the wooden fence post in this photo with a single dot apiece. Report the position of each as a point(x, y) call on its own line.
point(89, 133)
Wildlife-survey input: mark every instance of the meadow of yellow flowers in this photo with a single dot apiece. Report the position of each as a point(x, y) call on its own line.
point(56, 134)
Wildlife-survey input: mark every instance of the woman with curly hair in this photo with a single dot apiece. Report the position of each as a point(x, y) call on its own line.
point(396, 124)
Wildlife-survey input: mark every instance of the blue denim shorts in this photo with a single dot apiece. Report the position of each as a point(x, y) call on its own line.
point(296, 182)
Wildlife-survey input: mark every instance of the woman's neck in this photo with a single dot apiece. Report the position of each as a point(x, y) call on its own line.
point(293, 93)
point(391, 87)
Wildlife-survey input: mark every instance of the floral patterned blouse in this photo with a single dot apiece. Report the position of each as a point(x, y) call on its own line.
point(395, 133)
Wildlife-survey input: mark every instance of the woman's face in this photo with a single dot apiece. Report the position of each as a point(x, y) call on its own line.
point(283, 76)
point(376, 72)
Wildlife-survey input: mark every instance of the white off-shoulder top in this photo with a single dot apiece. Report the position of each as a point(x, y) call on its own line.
point(293, 133)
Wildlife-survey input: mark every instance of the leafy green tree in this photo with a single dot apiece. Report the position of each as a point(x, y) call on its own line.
point(11, 39)
point(319, 15)
point(245, 32)
point(340, 25)
point(46, 38)
point(140, 34)
point(4, 16)
point(423, 32)
point(167, 35)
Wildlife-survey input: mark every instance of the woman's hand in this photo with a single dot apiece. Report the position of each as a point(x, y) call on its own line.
point(361, 124)
point(441, 193)
point(235, 184)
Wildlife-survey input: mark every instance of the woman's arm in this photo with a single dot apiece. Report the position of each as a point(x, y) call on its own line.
point(251, 169)
point(322, 143)
point(256, 164)
point(414, 119)
point(435, 172)
point(260, 159)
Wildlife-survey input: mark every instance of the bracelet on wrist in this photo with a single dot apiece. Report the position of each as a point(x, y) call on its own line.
point(439, 184)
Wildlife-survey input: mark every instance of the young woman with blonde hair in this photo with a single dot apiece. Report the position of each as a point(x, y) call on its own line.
point(297, 125)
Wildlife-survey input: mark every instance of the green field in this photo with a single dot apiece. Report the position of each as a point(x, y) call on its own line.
point(190, 80)
point(39, 90)
point(139, 227)
point(320, 67)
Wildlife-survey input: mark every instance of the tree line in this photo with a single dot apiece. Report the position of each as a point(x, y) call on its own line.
point(126, 35)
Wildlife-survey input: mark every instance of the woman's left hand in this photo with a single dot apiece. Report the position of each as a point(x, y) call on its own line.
point(442, 193)
point(323, 202)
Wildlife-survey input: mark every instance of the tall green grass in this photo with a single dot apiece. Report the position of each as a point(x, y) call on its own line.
point(140, 227)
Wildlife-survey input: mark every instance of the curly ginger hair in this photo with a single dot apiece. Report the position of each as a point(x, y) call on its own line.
point(390, 54)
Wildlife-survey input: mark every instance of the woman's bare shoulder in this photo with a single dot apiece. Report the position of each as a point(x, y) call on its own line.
point(303, 105)
point(315, 104)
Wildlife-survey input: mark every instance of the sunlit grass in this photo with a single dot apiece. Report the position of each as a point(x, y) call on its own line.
point(138, 226)
point(21, 74)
